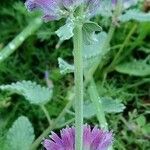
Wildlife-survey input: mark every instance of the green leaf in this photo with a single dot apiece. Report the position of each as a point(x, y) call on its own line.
point(136, 15)
point(91, 54)
point(141, 121)
point(33, 92)
point(146, 129)
point(65, 67)
point(109, 105)
point(112, 105)
point(88, 110)
point(94, 52)
point(135, 67)
point(89, 29)
point(66, 32)
point(21, 135)
point(3, 143)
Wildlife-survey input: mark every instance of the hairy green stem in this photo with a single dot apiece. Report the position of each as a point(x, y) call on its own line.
point(46, 114)
point(53, 126)
point(19, 39)
point(78, 73)
point(98, 105)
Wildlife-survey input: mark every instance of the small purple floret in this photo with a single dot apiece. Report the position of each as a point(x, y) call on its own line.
point(93, 139)
point(71, 3)
point(57, 9)
point(50, 8)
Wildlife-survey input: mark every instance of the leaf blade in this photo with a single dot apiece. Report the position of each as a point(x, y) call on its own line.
point(21, 135)
point(136, 15)
point(33, 92)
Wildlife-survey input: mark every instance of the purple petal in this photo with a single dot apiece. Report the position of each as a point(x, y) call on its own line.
point(106, 140)
point(50, 8)
point(87, 137)
point(47, 18)
point(114, 2)
point(56, 138)
point(71, 3)
point(95, 139)
point(67, 136)
point(50, 145)
point(101, 139)
point(68, 3)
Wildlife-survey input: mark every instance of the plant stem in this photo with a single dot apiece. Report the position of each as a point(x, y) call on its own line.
point(53, 125)
point(78, 73)
point(98, 105)
point(46, 114)
point(19, 39)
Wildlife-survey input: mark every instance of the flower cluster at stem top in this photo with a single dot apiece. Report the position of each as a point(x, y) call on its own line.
point(57, 9)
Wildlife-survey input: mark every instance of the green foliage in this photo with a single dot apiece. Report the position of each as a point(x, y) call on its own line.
point(92, 53)
point(141, 121)
point(112, 105)
point(66, 32)
point(136, 15)
point(89, 29)
point(65, 67)
point(109, 105)
point(135, 67)
point(33, 92)
point(21, 135)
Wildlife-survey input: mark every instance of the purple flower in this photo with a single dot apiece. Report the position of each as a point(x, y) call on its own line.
point(50, 8)
point(71, 3)
point(93, 139)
